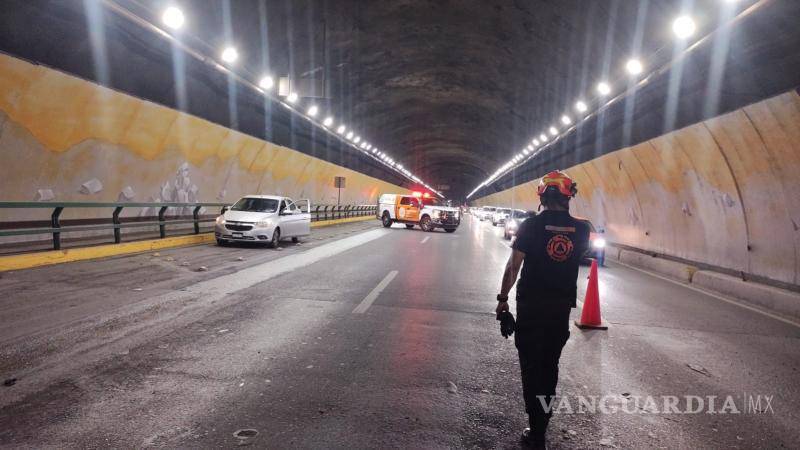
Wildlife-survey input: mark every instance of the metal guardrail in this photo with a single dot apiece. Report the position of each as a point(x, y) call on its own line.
point(318, 213)
point(332, 212)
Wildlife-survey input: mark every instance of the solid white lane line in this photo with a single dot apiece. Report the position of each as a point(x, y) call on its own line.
point(424, 240)
point(711, 294)
point(367, 302)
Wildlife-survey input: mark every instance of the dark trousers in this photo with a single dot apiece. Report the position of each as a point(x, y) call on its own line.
point(539, 337)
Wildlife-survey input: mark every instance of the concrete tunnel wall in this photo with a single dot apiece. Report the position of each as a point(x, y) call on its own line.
point(66, 139)
point(723, 192)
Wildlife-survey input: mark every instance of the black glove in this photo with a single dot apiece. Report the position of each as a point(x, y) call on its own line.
point(507, 323)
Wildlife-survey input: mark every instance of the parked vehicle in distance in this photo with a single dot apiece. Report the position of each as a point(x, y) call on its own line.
point(264, 218)
point(417, 209)
point(514, 221)
point(500, 215)
point(486, 212)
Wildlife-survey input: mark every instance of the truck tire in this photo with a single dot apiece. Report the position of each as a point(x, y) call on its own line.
point(409, 225)
point(450, 230)
point(426, 223)
point(386, 220)
point(276, 238)
point(295, 240)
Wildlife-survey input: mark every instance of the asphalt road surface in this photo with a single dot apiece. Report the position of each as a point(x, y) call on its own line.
point(364, 337)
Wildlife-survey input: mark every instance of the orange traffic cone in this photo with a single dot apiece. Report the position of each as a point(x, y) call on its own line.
point(590, 314)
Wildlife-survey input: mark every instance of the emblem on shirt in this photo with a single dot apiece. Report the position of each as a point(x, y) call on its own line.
point(559, 248)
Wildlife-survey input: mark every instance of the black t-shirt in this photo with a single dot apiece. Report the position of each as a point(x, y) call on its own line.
point(554, 243)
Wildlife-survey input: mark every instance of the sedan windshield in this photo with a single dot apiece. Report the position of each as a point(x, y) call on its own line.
point(268, 205)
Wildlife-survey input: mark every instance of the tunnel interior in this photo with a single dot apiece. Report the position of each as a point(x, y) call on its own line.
point(451, 90)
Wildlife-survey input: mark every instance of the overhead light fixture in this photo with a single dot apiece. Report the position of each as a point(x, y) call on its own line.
point(230, 55)
point(683, 27)
point(553, 130)
point(328, 121)
point(312, 110)
point(536, 142)
point(566, 120)
point(173, 18)
point(581, 106)
point(634, 66)
point(341, 129)
point(543, 137)
point(526, 151)
point(349, 135)
point(603, 88)
point(292, 97)
point(266, 82)
point(357, 139)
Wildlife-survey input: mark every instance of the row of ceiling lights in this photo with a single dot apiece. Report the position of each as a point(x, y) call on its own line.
point(174, 18)
point(683, 27)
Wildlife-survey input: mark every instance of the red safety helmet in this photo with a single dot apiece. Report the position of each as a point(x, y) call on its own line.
point(559, 180)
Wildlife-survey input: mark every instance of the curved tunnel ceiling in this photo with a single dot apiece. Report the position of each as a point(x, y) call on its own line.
point(451, 89)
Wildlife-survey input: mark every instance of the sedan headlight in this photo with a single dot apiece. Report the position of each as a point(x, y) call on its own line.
point(220, 220)
point(266, 223)
point(512, 224)
point(599, 243)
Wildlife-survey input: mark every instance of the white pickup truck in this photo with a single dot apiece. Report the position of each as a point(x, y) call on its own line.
point(264, 218)
point(417, 209)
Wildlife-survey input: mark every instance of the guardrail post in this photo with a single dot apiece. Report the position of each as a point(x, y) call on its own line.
point(116, 222)
point(55, 223)
point(162, 227)
point(196, 217)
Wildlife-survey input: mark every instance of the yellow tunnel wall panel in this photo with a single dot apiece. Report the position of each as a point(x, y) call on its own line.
point(724, 192)
point(58, 132)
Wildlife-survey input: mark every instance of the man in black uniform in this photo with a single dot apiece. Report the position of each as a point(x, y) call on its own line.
point(551, 244)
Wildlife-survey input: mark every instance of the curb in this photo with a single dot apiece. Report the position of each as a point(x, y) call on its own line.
point(31, 260)
point(775, 299)
point(47, 258)
point(672, 269)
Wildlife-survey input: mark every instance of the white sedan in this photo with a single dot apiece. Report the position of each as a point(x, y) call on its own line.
point(264, 218)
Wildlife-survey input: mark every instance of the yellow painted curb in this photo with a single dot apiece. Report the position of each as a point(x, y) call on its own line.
point(31, 260)
point(27, 261)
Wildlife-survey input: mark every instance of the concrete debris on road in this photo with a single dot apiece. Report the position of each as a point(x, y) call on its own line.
point(699, 369)
point(451, 387)
point(202, 269)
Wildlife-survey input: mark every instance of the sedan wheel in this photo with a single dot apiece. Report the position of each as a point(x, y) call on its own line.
point(276, 238)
